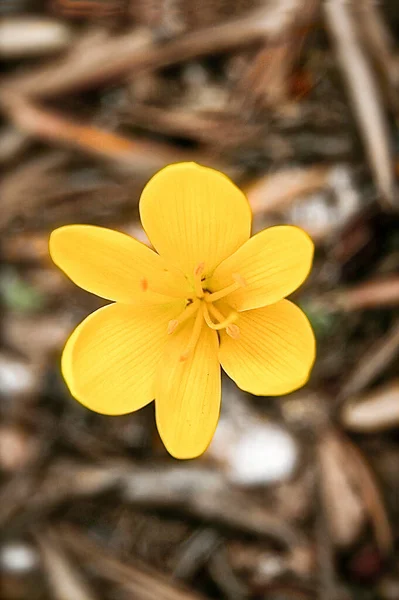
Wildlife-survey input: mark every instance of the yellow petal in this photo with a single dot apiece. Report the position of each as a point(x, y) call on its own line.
point(194, 215)
point(111, 264)
point(187, 398)
point(273, 264)
point(109, 362)
point(275, 350)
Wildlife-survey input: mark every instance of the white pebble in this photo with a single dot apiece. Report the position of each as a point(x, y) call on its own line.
point(253, 451)
point(15, 377)
point(18, 557)
point(264, 454)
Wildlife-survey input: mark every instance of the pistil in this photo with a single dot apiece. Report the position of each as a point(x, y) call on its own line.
point(232, 330)
point(201, 304)
point(223, 322)
point(195, 335)
point(186, 314)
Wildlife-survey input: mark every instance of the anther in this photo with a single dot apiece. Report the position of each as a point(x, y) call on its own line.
point(172, 325)
point(239, 279)
point(144, 284)
point(233, 331)
point(198, 271)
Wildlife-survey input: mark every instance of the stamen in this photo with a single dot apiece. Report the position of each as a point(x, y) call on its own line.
point(195, 335)
point(186, 314)
point(239, 282)
point(199, 269)
point(224, 321)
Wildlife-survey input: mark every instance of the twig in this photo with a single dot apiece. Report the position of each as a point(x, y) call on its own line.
point(199, 492)
point(65, 581)
point(266, 79)
point(206, 495)
point(195, 552)
point(378, 293)
point(372, 499)
point(26, 188)
point(375, 360)
point(142, 582)
point(327, 583)
point(341, 505)
point(52, 127)
point(204, 128)
point(365, 96)
point(133, 53)
point(378, 39)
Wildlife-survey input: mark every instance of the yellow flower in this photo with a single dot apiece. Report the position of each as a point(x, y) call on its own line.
point(208, 296)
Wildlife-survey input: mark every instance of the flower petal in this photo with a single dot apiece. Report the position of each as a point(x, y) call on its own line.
point(194, 215)
point(273, 263)
point(187, 398)
point(274, 352)
point(111, 264)
point(110, 360)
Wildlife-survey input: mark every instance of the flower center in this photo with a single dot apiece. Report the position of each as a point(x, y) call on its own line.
point(202, 305)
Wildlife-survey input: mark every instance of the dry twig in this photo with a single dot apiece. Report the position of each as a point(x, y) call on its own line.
point(142, 582)
point(368, 106)
point(378, 40)
point(265, 82)
point(127, 153)
point(134, 52)
point(370, 365)
point(376, 293)
point(65, 581)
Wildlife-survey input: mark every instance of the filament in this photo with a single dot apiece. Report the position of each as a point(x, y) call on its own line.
point(166, 290)
point(239, 282)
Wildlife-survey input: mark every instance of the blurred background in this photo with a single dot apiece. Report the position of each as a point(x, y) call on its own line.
point(297, 101)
